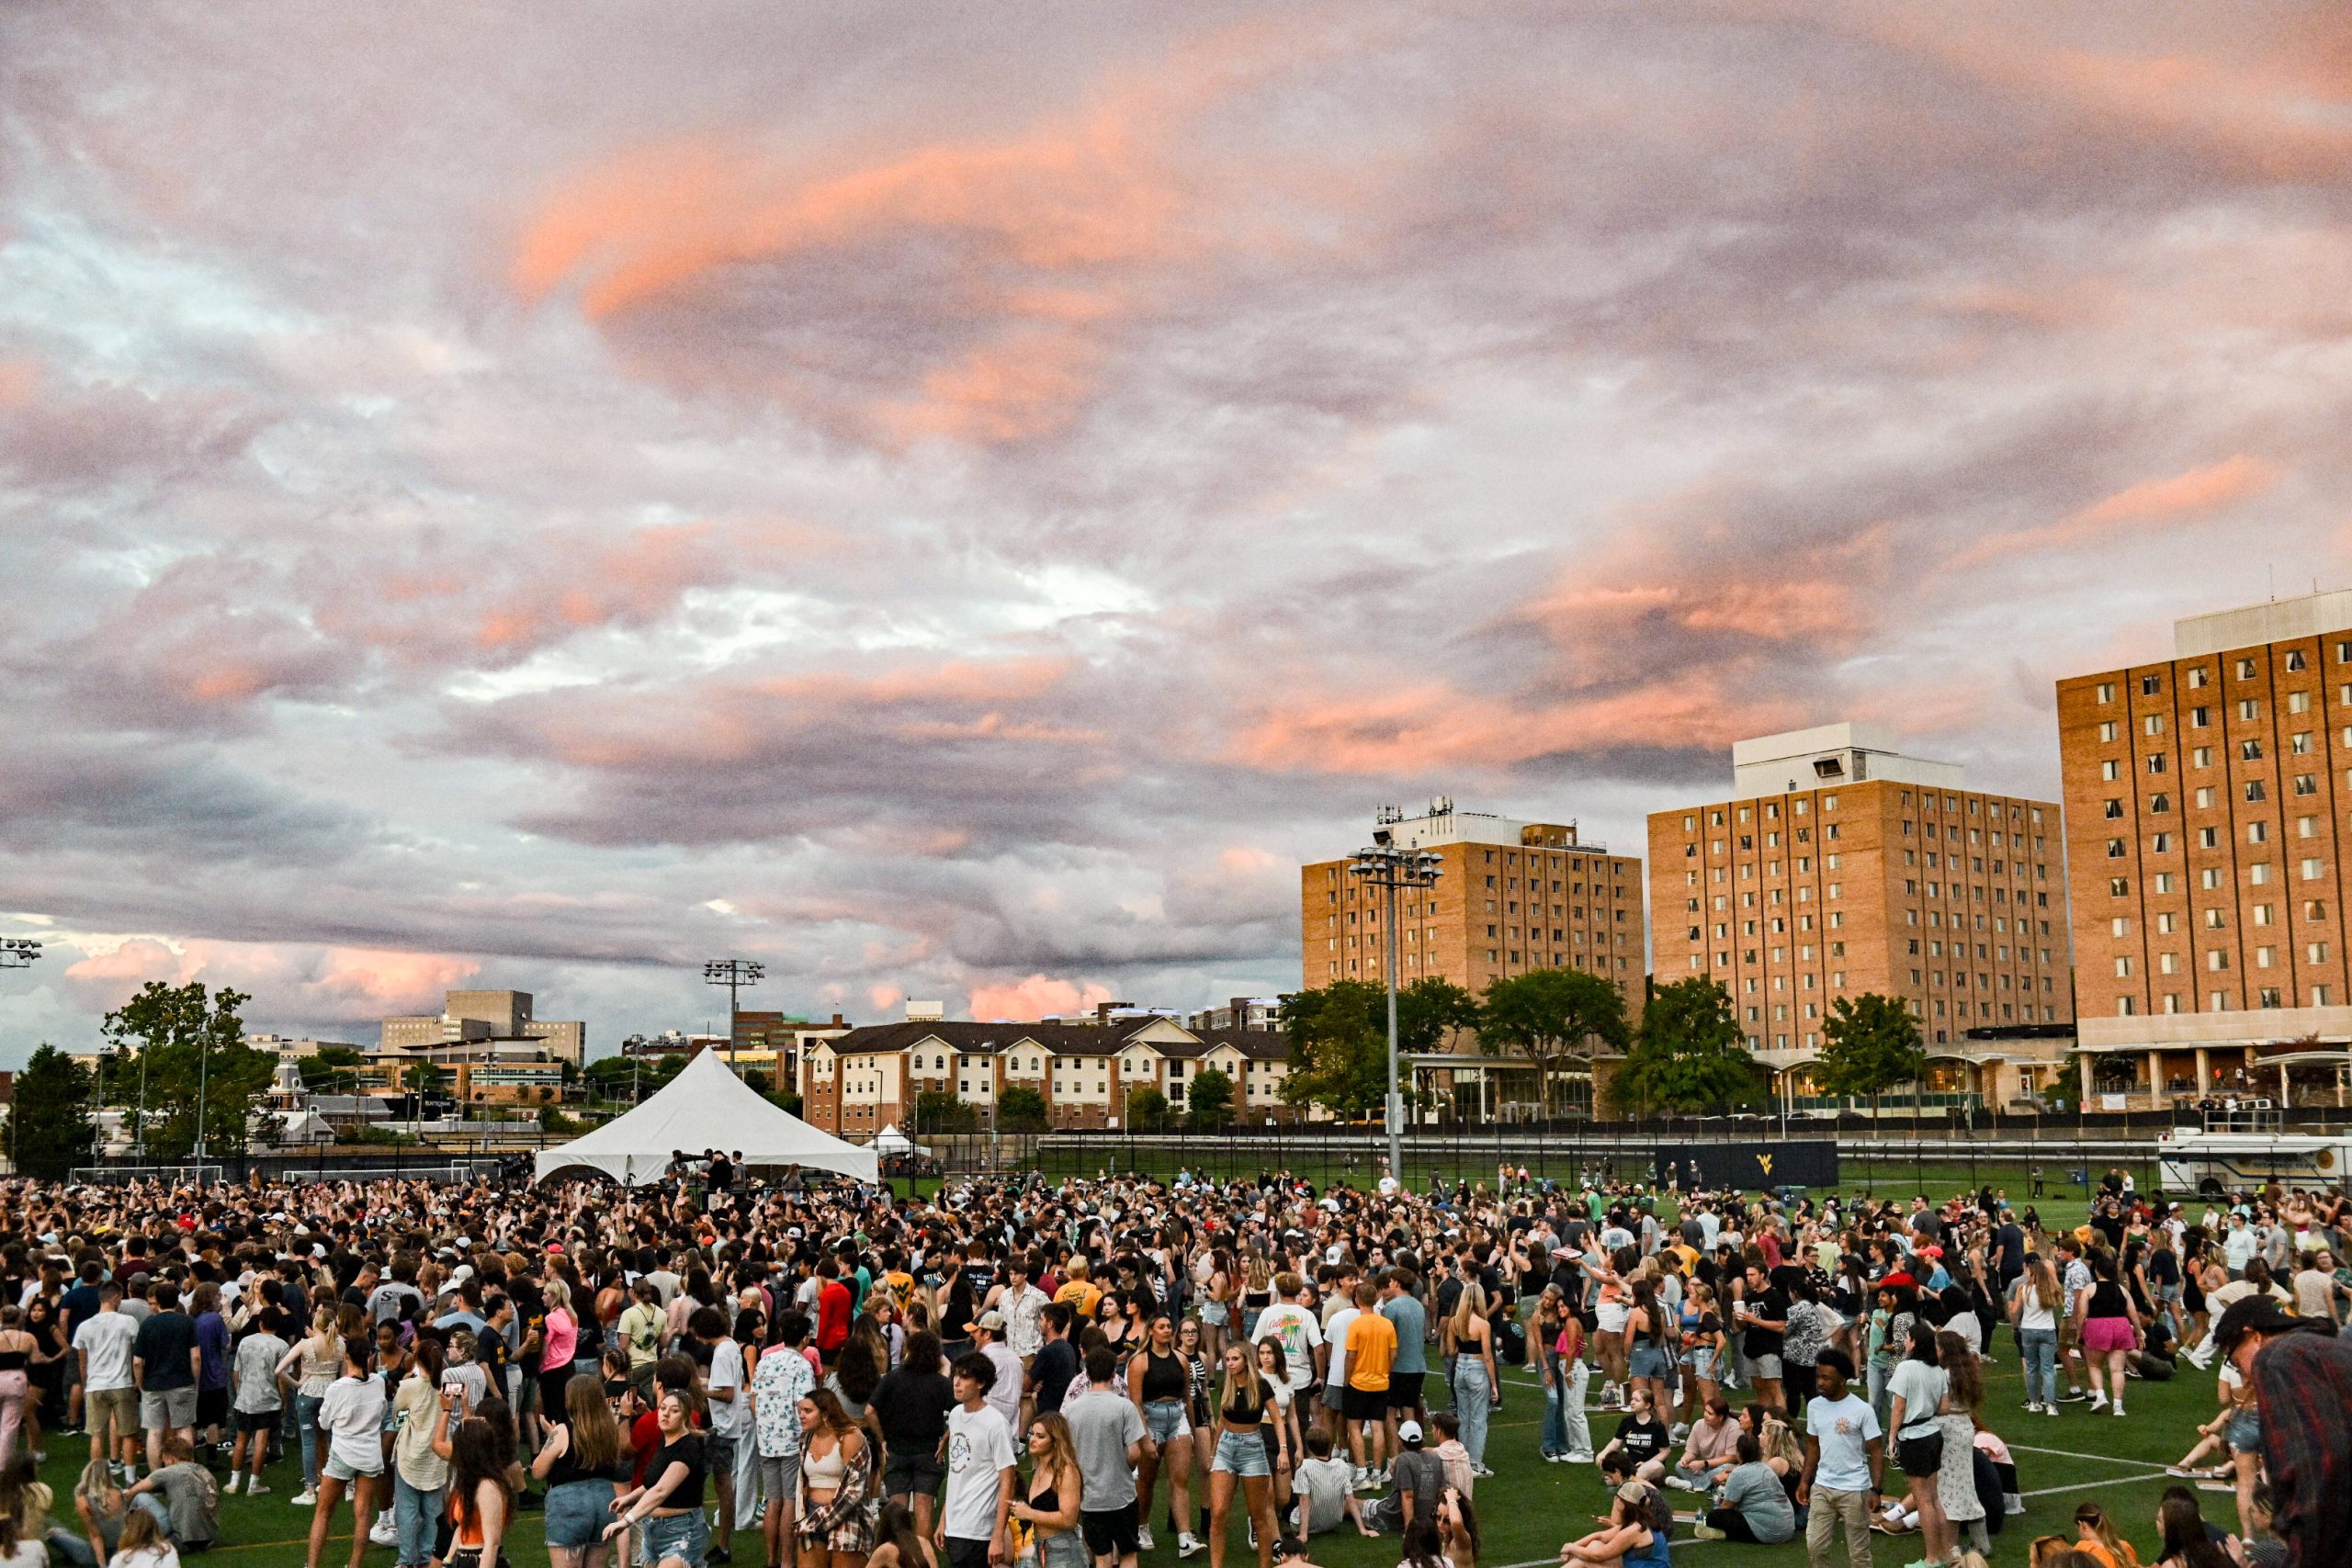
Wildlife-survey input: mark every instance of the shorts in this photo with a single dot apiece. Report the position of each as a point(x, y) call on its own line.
point(1241, 1453)
point(2245, 1431)
point(1111, 1533)
point(1405, 1390)
point(1920, 1456)
point(1335, 1393)
point(1765, 1366)
point(2101, 1335)
point(1164, 1419)
point(1213, 1313)
point(1364, 1404)
point(111, 1413)
point(1702, 1362)
point(174, 1407)
point(211, 1407)
point(964, 1552)
point(337, 1470)
point(1649, 1362)
point(686, 1537)
point(780, 1476)
point(718, 1454)
point(577, 1513)
point(259, 1420)
point(915, 1473)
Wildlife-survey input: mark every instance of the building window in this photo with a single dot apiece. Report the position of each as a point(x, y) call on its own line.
point(2107, 691)
point(2295, 658)
point(2151, 685)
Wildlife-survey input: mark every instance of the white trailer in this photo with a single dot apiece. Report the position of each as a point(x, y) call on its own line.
point(2218, 1161)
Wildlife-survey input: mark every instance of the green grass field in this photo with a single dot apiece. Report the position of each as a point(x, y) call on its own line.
point(1528, 1507)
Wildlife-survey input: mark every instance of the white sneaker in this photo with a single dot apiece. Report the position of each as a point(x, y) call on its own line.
point(2050, 1410)
point(1680, 1484)
point(2099, 1400)
point(385, 1531)
point(235, 1477)
point(1189, 1544)
point(1584, 1458)
point(253, 1488)
point(305, 1499)
point(1362, 1479)
point(2119, 1407)
point(1143, 1538)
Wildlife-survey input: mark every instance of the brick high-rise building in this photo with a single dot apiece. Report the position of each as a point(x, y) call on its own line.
point(1510, 898)
point(1841, 867)
point(2206, 801)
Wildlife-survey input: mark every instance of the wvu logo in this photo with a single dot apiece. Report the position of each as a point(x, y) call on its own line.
point(1766, 1161)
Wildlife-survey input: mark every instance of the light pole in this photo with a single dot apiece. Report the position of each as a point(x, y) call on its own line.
point(734, 974)
point(1385, 865)
point(17, 953)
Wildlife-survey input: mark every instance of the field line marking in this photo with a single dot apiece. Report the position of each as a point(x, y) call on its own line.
point(2069, 1453)
point(2087, 1485)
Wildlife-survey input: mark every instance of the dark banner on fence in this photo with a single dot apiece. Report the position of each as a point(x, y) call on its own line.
point(1748, 1166)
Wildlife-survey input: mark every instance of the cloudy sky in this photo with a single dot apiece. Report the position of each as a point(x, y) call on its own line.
point(958, 501)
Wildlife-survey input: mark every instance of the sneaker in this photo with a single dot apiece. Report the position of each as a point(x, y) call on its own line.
point(253, 1488)
point(1679, 1483)
point(2072, 1397)
point(1678, 1432)
point(1703, 1530)
point(2119, 1407)
point(1188, 1544)
point(1143, 1538)
point(2181, 1471)
point(1482, 1473)
point(726, 1554)
point(2216, 1486)
point(2050, 1410)
point(229, 1489)
point(1583, 1457)
point(1362, 1479)
point(2099, 1399)
point(387, 1532)
point(305, 1499)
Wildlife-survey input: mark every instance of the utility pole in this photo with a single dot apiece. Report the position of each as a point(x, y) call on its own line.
point(23, 953)
point(1385, 865)
point(735, 974)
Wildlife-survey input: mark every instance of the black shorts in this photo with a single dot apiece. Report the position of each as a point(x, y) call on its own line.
point(964, 1553)
point(1109, 1534)
point(212, 1407)
point(1921, 1456)
point(1405, 1390)
point(259, 1420)
point(914, 1474)
point(1363, 1403)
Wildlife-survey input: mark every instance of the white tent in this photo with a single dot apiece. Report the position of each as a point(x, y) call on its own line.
point(704, 1106)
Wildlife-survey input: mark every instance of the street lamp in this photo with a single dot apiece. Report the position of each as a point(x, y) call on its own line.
point(1386, 865)
point(735, 974)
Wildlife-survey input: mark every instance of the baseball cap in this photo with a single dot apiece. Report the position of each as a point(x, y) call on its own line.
point(991, 1321)
point(2251, 1315)
point(1408, 1431)
point(1634, 1492)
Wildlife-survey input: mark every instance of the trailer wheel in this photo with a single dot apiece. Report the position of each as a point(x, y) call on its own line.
point(2210, 1187)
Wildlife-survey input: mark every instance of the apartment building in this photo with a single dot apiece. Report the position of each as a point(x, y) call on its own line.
point(854, 1084)
point(1510, 898)
point(2206, 801)
point(1840, 866)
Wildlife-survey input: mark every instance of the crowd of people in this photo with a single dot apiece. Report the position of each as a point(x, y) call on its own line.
point(1016, 1370)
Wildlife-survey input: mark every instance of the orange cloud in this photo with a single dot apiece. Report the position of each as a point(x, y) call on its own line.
point(19, 378)
point(1037, 997)
point(354, 982)
point(2181, 499)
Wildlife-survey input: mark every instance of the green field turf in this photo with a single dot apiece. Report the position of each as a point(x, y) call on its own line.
point(1528, 1507)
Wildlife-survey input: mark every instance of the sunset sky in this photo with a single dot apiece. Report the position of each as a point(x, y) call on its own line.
point(958, 501)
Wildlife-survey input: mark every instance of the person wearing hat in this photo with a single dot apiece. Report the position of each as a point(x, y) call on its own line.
point(1418, 1480)
point(1004, 1395)
point(2302, 1375)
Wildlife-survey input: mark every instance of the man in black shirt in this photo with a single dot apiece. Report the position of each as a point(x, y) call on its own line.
point(911, 1405)
point(163, 1363)
point(1764, 1314)
point(1056, 1364)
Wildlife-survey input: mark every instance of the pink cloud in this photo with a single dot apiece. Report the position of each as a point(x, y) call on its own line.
point(293, 981)
point(1037, 997)
point(2180, 500)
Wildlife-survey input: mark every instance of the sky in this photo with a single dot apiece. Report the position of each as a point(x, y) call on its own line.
point(959, 502)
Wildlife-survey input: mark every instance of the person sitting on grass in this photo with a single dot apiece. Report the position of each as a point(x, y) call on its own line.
point(1457, 1530)
point(2095, 1537)
point(1324, 1497)
point(183, 1496)
point(1709, 1453)
point(1755, 1506)
point(98, 1502)
point(144, 1545)
point(1641, 1438)
point(1632, 1533)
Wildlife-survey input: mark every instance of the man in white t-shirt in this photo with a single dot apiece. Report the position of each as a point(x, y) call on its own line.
point(980, 1469)
point(1334, 1345)
point(1292, 1322)
point(111, 1403)
point(1845, 1462)
point(732, 1458)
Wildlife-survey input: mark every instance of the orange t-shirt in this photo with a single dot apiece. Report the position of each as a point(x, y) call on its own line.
point(1372, 1350)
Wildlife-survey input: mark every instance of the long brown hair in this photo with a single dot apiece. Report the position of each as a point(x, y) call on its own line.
point(1966, 1387)
point(595, 1437)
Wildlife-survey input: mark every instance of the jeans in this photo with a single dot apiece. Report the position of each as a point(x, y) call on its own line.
point(1576, 1378)
point(1474, 1398)
point(417, 1513)
point(2039, 1347)
point(306, 1421)
point(1831, 1509)
point(747, 1482)
point(1555, 1422)
point(1876, 1381)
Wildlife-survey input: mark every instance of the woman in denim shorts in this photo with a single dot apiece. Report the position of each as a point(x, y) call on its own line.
point(667, 1510)
point(1241, 1455)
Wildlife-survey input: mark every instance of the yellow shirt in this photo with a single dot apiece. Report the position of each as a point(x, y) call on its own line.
point(1081, 1296)
point(1372, 1351)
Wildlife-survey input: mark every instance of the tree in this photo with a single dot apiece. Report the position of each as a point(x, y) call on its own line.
point(1021, 1109)
point(191, 1048)
point(938, 1110)
point(1688, 1053)
point(1146, 1107)
point(1338, 1038)
point(49, 1123)
point(331, 1070)
point(1550, 1016)
point(1209, 1097)
point(631, 1077)
point(785, 1100)
point(1869, 1043)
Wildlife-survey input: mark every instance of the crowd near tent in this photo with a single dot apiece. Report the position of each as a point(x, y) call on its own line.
point(704, 1106)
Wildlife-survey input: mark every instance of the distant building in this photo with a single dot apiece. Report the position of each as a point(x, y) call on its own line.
point(468, 1016)
point(1841, 867)
point(284, 1046)
point(1241, 1012)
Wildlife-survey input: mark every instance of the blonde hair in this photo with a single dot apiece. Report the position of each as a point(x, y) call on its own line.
point(1472, 1303)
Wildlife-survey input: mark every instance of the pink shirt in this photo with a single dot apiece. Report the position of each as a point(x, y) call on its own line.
point(562, 1335)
